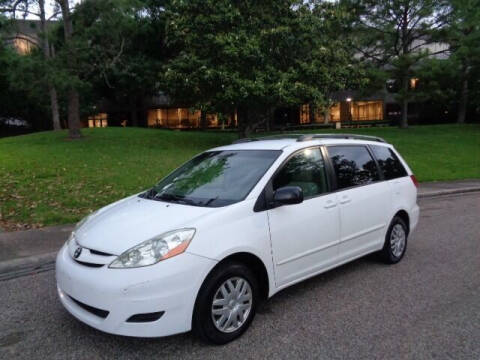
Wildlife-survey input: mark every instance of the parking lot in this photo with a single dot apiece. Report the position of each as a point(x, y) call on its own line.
point(425, 307)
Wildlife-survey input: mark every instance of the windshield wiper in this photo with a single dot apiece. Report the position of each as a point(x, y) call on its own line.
point(209, 201)
point(149, 194)
point(174, 198)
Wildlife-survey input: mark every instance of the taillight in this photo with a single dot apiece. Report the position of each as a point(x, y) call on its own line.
point(414, 179)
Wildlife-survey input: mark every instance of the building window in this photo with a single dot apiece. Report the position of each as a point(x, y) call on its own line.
point(212, 120)
point(413, 83)
point(335, 112)
point(98, 120)
point(304, 114)
point(173, 118)
point(23, 46)
point(178, 118)
point(367, 110)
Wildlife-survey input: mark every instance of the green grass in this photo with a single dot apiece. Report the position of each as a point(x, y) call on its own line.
point(46, 179)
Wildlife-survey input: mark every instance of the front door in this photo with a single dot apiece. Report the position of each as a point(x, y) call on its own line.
point(304, 236)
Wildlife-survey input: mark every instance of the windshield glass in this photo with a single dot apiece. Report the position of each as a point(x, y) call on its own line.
point(214, 178)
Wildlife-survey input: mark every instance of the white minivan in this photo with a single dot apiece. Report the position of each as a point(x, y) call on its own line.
point(230, 228)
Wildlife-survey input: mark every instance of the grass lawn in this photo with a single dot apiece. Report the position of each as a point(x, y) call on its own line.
point(46, 179)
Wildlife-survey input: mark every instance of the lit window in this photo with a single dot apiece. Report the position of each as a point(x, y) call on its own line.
point(98, 120)
point(304, 114)
point(23, 46)
point(173, 118)
point(413, 83)
point(335, 112)
point(367, 110)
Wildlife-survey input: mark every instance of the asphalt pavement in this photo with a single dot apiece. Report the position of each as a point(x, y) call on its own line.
point(425, 307)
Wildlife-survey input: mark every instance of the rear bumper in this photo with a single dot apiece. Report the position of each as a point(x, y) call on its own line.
point(170, 286)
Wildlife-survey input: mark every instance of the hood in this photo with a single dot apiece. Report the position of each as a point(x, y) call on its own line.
point(128, 222)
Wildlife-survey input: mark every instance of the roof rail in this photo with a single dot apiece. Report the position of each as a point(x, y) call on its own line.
point(308, 137)
point(243, 140)
point(270, 137)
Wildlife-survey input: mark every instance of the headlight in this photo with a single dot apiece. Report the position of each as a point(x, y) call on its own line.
point(156, 249)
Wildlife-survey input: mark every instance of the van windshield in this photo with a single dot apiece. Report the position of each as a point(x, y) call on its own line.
point(214, 178)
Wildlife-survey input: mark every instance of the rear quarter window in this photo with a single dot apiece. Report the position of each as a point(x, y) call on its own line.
point(389, 163)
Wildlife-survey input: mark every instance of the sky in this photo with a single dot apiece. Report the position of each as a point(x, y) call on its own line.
point(49, 5)
point(51, 2)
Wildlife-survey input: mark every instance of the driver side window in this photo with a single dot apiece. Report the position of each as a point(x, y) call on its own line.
point(305, 169)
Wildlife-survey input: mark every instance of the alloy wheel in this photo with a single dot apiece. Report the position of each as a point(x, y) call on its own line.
point(397, 240)
point(232, 304)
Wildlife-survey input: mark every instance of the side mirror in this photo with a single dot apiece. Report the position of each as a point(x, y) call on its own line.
point(288, 195)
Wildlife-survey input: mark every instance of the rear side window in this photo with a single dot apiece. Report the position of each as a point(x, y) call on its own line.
point(353, 166)
point(389, 163)
point(305, 169)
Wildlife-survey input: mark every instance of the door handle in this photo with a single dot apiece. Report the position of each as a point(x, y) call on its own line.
point(330, 204)
point(345, 200)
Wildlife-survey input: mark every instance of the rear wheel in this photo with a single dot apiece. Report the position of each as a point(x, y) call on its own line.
point(226, 303)
point(395, 241)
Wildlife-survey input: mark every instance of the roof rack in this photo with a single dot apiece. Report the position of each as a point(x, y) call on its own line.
point(270, 137)
point(243, 140)
point(309, 137)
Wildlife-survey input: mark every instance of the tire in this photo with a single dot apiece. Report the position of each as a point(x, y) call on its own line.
point(207, 317)
point(393, 251)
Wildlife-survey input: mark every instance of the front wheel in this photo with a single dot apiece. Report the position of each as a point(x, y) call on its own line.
point(226, 303)
point(395, 241)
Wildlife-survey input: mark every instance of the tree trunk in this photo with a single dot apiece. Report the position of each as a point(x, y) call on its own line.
point(326, 115)
point(244, 128)
point(46, 53)
point(462, 106)
point(406, 42)
point(203, 119)
point(270, 119)
point(311, 113)
point(268, 123)
point(74, 115)
point(404, 119)
point(73, 96)
point(54, 106)
point(133, 111)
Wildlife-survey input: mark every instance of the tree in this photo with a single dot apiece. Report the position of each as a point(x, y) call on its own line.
point(36, 8)
point(395, 36)
point(71, 62)
point(48, 52)
point(463, 35)
point(122, 49)
point(252, 56)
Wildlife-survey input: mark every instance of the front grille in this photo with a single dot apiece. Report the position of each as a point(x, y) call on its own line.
point(88, 264)
point(148, 317)
point(93, 310)
point(101, 253)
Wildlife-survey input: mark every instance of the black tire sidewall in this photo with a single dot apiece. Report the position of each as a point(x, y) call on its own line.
point(387, 249)
point(202, 323)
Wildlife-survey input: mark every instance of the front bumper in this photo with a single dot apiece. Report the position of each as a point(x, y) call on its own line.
point(171, 286)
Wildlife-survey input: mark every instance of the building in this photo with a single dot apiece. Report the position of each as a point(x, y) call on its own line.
point(348, 108)
point(25, 36)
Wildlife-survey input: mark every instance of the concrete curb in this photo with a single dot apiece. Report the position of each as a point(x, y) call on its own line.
point(448, 192)
point(27, 265)
point(23, 266)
